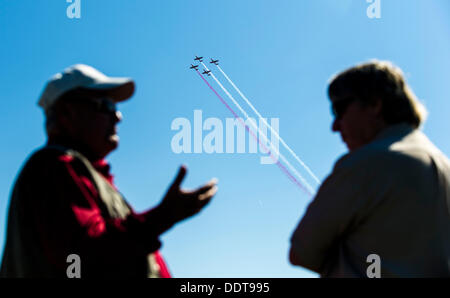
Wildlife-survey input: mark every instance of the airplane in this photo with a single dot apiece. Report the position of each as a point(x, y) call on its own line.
point(216, 62)
point(208, 72)
point(198, 59)
point(194, 67)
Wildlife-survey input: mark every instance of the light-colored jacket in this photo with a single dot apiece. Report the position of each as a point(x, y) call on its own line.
point(390, 198)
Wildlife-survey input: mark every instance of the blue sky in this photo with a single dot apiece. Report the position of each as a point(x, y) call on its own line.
point(281, 54)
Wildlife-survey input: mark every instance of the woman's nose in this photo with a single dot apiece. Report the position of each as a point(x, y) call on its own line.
point(335, 127)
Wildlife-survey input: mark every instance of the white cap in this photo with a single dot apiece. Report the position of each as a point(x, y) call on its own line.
point(85, 76)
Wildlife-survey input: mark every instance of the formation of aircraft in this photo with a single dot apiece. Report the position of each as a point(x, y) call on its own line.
point(199, 59)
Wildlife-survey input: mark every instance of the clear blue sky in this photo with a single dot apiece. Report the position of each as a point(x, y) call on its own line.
point(280, 53)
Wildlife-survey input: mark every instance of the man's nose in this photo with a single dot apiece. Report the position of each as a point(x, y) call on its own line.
point(336, 126)
point(118, 116)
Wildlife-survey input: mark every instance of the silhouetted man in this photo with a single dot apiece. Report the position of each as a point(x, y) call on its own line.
point(64, 200)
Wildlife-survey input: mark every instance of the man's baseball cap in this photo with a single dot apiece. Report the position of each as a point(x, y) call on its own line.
point(85, 76)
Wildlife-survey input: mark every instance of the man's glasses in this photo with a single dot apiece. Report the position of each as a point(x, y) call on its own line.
point(104, 105)
point(339, 107)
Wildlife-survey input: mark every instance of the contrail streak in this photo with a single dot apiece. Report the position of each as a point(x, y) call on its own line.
point(278, 163)
point(260, 132)
point(270, 127)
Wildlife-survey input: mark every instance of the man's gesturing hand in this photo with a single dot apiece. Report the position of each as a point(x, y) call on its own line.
point(180, 204)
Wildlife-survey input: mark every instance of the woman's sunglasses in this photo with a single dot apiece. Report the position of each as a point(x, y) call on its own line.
point(339, 107)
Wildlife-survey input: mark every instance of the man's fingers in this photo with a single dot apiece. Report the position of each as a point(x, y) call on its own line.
point(206, 187)
point(209, 194)
point(180, 176)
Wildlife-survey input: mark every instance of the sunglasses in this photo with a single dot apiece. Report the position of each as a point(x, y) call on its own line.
point(339, 107)
point(103, 105)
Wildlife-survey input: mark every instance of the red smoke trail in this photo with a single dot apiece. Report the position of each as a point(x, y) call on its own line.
point(278, 163)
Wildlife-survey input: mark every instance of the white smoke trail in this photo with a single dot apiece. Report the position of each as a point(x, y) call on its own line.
point(255, 127)
point(270, 127)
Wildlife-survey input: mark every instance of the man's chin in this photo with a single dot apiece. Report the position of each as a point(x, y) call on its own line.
point(114, 139)
point(112, 144)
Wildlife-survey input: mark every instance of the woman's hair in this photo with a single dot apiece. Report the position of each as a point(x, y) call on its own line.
point(382, 80)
